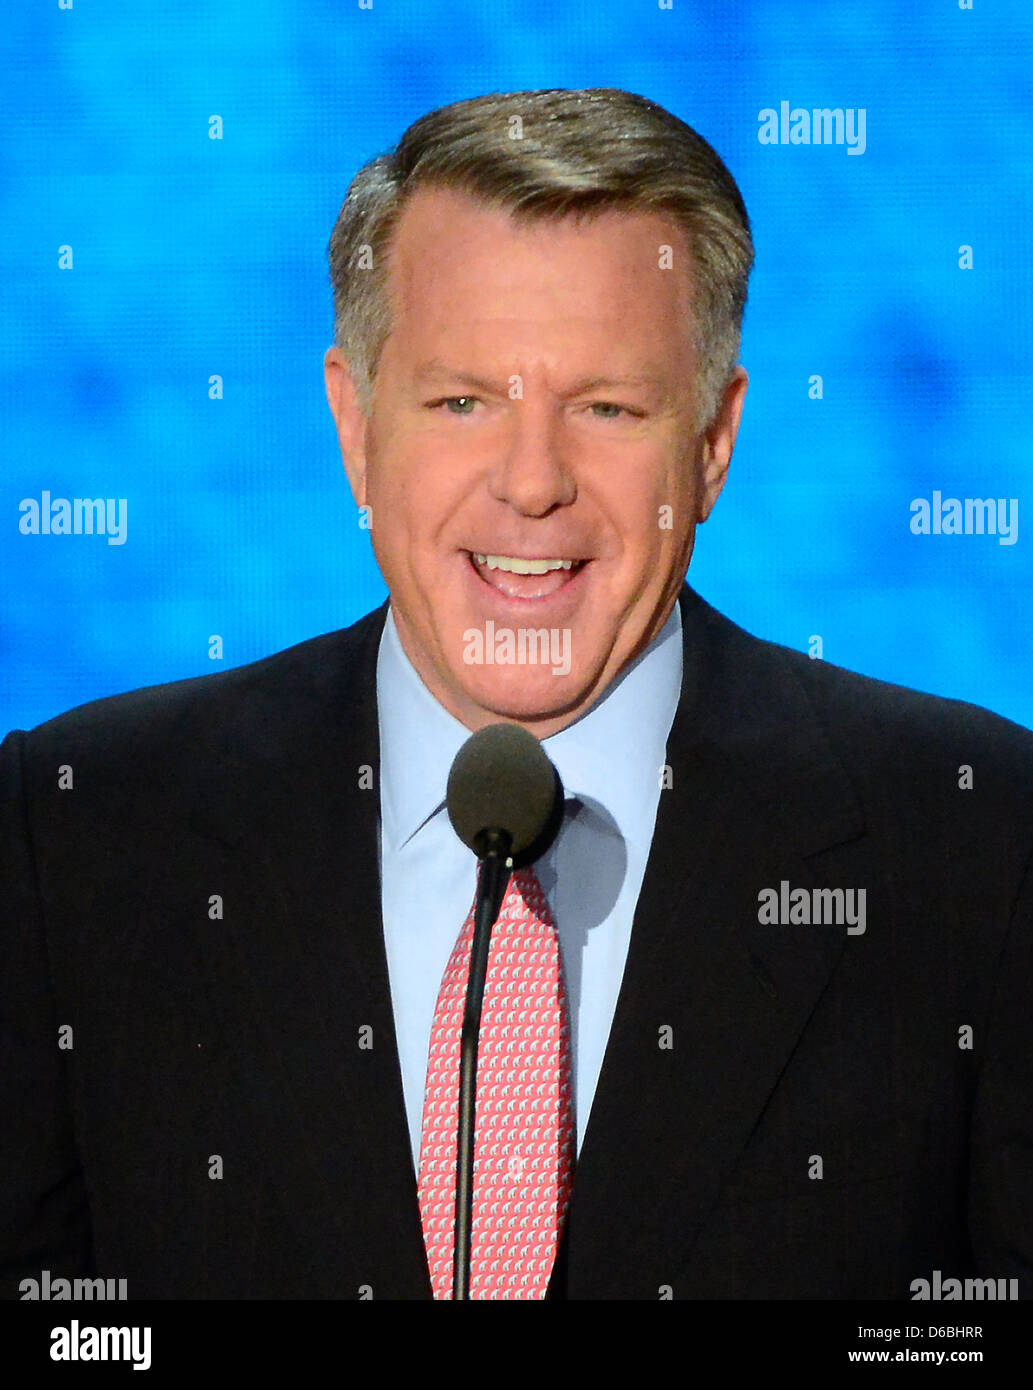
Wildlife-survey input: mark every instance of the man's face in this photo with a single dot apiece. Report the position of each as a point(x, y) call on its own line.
point(534, 402)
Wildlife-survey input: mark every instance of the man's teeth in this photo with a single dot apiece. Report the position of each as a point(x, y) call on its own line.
point(515, 566)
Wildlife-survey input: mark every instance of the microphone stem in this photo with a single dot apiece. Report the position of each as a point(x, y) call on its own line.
point(493, 880)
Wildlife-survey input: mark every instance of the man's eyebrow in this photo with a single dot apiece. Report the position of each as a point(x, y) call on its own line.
point(592, 383)
point(436, 368)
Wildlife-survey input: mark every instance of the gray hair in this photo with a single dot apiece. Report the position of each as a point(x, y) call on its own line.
point(550, 154)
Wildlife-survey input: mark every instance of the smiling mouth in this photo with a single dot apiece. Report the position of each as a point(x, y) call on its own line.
point(517, 577)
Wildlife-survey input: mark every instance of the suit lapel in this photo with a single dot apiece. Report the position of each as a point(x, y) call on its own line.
point(299, 972)
point(755, 789)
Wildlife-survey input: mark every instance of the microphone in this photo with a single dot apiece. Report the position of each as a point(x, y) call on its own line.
point(505, 801)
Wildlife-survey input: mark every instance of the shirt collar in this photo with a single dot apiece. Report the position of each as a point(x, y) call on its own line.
point(612, 755)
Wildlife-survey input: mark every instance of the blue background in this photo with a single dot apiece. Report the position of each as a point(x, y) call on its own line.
point(195, 257)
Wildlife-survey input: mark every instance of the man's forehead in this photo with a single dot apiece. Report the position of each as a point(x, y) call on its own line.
point(455, 252)
point(477, 307)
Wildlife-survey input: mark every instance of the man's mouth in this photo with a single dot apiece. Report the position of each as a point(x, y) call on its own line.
point(517, 577)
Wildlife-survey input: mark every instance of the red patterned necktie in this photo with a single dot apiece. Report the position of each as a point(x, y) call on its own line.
point(524, 1139)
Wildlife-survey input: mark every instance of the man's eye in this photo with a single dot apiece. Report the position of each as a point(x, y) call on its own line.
point(458, 405)
point(609, 410)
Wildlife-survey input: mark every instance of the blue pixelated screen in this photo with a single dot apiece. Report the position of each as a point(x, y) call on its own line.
point(887, 334)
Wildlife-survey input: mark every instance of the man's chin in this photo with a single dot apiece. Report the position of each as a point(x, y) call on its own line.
point(534, 699)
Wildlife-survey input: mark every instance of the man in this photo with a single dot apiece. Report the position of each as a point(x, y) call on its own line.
point(793, 906)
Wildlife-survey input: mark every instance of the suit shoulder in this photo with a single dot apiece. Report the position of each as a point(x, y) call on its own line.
point(879, 729)
point(300, 678)
point(895, 726)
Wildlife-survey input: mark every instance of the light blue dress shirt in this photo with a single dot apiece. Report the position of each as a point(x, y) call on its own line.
point(610, 762)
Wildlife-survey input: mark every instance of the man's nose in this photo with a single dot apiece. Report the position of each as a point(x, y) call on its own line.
point(533, 473)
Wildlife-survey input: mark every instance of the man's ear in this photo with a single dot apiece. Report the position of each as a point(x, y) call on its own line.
point(719, 441)
point(343, 400)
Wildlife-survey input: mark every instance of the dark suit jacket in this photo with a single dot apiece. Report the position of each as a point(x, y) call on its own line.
point(237, 1035)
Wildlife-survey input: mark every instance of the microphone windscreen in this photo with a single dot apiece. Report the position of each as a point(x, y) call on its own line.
point(502, 779)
